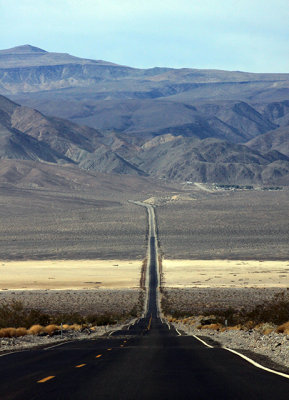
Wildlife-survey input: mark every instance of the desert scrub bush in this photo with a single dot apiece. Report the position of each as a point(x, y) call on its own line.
point(265, 328)
point(35, 330)
point(7, 332)
point(21, 332)
point(102, 319)
point(67, 318)
point(75, 327)
point(14, 314)
point(50, 329)
point(12, 332)
point(284, 328)
point(11, 314)
point(273, 312)
point(213, 327)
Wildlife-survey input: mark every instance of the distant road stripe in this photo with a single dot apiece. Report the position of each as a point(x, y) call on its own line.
point(46, 379)
point(202, 341)
point(80, 365)
point(257, 364)
point(108, 349)
point(99, 355)
point(150, 322)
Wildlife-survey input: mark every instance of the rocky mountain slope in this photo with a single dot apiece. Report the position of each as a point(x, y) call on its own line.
point(272, 140)
point(184, 124)
point(29, 135)
point(26, 134)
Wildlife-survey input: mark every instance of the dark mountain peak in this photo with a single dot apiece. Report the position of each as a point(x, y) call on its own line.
point(24, 49)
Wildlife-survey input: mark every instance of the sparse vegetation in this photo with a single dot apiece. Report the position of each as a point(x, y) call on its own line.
point(16, 321)
point(272, 315)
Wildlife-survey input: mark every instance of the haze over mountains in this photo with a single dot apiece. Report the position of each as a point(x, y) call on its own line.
point(184, 124)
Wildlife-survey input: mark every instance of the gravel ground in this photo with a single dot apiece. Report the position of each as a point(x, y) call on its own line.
point(47, 225)
point(194, 301)
point(232, 225)
point(270, 350)
point(81, 301)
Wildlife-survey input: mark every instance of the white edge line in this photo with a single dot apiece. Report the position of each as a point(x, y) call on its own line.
point(257, 364)
point(56, 345)
point(178, 332)
point(168, 325)
point(202, 341)
point(13, 352)
point(33, 348)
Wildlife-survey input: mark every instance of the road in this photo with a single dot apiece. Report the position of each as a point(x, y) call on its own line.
point(146, 360)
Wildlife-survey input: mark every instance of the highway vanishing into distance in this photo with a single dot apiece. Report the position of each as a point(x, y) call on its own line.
point(148, 359)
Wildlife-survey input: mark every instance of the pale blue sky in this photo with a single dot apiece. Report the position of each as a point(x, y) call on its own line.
point(248, 35)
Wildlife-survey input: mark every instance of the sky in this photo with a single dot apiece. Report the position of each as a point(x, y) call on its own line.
point(244, 35)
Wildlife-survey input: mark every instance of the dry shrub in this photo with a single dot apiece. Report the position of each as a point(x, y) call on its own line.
point(66, 326)
point(7, 332)
point(284, 328)
point(76, 327)
point(268, 331)
point(249, 325)
point(238, 327)
point(21, 332)
point(50, 329)
point(35, 330)
point(214, 327)
point(266, 328)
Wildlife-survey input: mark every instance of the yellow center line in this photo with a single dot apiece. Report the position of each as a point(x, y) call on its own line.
point(45, 379)
point(124, 341)
point(108, 349)
point(150, 322)
point(99, 355)
point(80, 365)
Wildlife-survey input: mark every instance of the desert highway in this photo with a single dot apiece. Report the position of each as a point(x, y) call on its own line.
point(146, 360)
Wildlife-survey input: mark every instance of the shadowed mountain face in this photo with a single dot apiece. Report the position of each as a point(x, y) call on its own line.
point(184, 124)
point(27, 134)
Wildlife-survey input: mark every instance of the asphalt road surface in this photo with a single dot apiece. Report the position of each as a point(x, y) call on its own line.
point(147, 360)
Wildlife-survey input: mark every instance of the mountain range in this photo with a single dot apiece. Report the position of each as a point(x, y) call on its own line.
point(178, 124)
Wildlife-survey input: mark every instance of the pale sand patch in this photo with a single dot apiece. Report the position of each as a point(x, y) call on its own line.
point(70, 274)
point(226, 273)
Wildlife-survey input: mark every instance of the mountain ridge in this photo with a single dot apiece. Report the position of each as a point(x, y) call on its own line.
point(183, 124)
